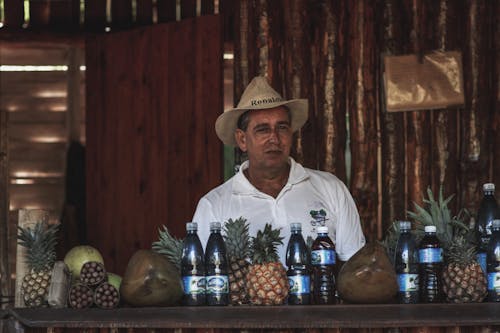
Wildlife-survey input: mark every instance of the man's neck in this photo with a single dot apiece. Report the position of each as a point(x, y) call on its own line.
point(268, 181)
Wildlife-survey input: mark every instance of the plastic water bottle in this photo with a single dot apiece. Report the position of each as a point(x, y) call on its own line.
point(193, 267)
point(297, 260)
point(430, 258)
point(493, 263)
point(216, 267)
point(406, 265)
point(488, 211)
point(323, 260)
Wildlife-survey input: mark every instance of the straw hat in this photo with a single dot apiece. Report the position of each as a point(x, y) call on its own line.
point(258, 95)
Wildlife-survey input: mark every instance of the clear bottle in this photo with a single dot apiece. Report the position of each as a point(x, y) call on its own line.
point(488, 211)
point(430, 258)
point(493, 263)
point(298, 260)
point(193, 267)
point(406, 265)
point(323, 261)
point(216, 267)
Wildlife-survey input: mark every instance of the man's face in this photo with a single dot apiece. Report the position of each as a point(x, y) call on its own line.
point(268, 137)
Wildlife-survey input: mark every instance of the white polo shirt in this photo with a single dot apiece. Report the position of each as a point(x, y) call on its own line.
point(310, 197)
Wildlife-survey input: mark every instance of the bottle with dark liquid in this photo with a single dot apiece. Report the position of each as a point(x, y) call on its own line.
point(430, 267)
point(216, 267)
point(493, 263)
point(297, 260)
point(488, 211)
point(406, 265)
point(323, 260)
point(193, 268)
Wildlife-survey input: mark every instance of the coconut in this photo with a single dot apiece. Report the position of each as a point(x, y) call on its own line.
point(115, 280)
point(78, 256)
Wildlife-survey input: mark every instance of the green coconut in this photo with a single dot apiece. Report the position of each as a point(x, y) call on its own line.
point(78, 256)
point(115, 280)
point(150, 280)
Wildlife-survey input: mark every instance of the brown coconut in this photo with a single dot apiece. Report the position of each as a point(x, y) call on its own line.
point(150, 280)
point(368, 276)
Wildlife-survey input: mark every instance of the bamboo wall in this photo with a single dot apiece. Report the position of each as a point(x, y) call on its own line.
point(331, 51)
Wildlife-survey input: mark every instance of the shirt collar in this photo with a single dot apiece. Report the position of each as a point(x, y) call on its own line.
point(241, 185)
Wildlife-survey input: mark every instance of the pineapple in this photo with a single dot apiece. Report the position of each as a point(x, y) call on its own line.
point(40, 243)
point(170, 247)
point(267, 283)
point(237, 241)
point(463, 278)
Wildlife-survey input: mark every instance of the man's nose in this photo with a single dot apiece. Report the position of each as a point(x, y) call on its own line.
point(274, 135)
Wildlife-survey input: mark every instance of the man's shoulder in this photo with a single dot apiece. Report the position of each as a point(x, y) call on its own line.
point(322, 176)
point(220, 191)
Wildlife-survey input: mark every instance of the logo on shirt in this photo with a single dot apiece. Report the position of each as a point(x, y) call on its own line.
point(319, 217)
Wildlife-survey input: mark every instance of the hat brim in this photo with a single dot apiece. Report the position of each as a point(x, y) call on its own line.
point(226, 123)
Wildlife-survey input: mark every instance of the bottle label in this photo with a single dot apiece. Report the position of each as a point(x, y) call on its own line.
point(481, 260)
point(408, 282)
point(427, 256)
point(299, 284)
point(193, 285)
point(323, 257)
point(494, 281)
point(217, 284)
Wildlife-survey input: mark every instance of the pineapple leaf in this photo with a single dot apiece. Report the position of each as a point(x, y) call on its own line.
point(264, 245)
point(237, 238)
point(169, 246)
point(40, 243)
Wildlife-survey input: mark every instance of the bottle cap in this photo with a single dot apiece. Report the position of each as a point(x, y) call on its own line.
point(215, 226)
point(430, 228)
point(404, 225)
point(322, 229)
point(296, 226)
point(495, 224)
point(191, 226)
point(488, 187)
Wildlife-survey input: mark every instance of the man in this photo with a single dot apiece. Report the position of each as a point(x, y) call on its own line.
point(270, 186)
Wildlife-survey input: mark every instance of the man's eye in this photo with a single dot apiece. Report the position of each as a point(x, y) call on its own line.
point(284, 127)
point(262, 130)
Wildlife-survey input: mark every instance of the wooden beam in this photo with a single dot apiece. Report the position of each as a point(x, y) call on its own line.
point(207, 7)
point(65, 15)
point(144, 12)
point(121, 14)
point(188, 8)
point(167, 10)
point(95, 15)
point(14, 14)
point(39, 14)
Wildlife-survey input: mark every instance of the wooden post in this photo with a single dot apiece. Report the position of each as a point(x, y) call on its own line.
point(144, 12)
point(5, 287)
point(14, 14)
point(27, 218)
point(167, 10)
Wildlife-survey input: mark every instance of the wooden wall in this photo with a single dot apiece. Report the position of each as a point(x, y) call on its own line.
point(330, 52)
point(153, 95)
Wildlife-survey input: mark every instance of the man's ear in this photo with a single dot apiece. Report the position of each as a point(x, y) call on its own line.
point(240, 138)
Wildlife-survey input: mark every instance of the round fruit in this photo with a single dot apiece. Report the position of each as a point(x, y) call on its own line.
point(115, 280)
point(78, 256)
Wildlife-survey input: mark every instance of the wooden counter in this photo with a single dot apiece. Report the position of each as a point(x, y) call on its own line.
point(253, 317)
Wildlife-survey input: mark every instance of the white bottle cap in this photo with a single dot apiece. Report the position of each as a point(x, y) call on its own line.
point(214, 226)
point(488, 187)
point(296, 226)
point(322, 229)
point(430, 228)
point(404, 225)
point(191, 226)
